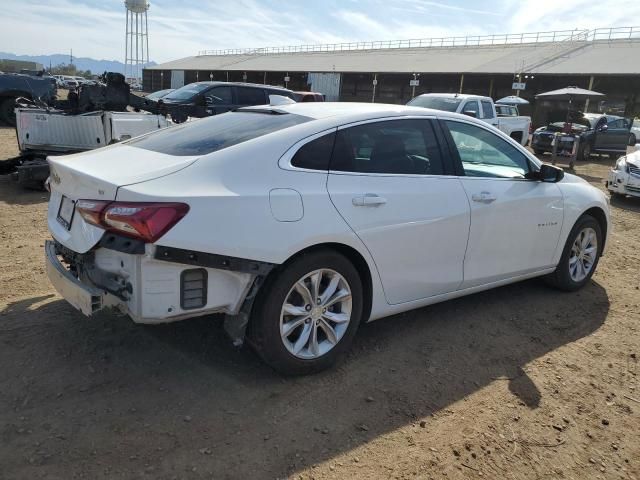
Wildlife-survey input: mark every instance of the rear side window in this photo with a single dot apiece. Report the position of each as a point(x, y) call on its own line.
point(395, 146)
point(251, 96)
point(215, 133)
point(316, 154)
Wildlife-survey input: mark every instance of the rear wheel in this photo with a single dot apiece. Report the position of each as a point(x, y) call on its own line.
point(7, 113)
point(632, 139)
point(306, 315)
point(579, 257)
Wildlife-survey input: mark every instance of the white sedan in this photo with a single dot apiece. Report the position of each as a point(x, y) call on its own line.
point(624, 177)
point(301, 221)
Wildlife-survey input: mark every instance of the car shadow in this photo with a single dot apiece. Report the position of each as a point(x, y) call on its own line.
point(11, 192)
point(179, 396)
point(629, 203)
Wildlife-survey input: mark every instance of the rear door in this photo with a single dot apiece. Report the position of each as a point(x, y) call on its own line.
point(515, 223)
point(388, 180)
point(618, 134)
point(248, 96)
point(488, 113)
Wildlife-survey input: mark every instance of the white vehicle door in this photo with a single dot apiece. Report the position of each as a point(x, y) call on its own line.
point(488, 113)
point(515, 222)
point(388, 180)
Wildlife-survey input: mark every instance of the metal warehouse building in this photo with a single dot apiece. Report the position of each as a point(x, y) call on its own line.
point(603, 59)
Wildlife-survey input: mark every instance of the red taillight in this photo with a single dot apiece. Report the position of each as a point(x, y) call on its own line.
point(145, 221)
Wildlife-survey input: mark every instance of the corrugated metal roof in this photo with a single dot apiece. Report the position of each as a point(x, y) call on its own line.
point(581, 57)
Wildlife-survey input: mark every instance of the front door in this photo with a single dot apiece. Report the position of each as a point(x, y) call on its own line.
point(515, 223)
point(388, 181)
point(219, 99)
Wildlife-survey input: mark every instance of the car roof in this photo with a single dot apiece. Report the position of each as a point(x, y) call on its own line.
point(462, 96)
point(352, 111)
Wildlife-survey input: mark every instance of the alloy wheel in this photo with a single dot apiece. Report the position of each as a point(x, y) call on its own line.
point(583, 255)
point(315, 314)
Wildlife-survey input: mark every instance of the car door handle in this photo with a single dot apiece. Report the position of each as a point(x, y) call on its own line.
point(368, 200)
point(483, 197)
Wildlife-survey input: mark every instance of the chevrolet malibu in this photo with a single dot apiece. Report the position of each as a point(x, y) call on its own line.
point(300, 222)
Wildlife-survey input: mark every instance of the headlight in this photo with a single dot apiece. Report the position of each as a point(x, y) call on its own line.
point(621, 164)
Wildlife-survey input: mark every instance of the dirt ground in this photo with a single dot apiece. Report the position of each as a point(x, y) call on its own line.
point(522, 382)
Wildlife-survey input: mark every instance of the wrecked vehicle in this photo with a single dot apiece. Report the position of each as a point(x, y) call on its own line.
point(95, 116)
point(41, 89)
point(624, 177)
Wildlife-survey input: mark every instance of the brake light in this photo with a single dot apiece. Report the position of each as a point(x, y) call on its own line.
point(144, 221)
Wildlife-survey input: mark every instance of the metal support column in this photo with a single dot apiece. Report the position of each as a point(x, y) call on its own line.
point(586, 103)
point(461, 82)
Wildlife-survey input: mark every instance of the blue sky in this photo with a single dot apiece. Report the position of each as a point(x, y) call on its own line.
point(179, 29)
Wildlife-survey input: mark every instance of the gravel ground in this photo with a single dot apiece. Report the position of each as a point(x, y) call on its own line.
point(519, 382)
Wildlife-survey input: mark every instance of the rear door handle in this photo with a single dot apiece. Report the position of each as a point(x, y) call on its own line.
point(483, 197)
point(368, 200)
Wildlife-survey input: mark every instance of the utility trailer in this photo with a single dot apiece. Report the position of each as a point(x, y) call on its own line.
point(43, 132)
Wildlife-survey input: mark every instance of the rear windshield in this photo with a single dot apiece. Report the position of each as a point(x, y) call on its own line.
point(188, 91)
point(215, 133)
point(437, 103)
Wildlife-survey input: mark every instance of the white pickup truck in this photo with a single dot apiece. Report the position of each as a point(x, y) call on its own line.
point(483, 108)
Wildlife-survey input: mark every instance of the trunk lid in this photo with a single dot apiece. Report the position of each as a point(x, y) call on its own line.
point(97, 175)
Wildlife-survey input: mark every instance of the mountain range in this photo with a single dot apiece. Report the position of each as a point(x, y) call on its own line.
point(81, 63)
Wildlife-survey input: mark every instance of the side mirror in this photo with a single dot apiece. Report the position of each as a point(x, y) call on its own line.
point(603, 128)
point(547, 173)
point(470, 113)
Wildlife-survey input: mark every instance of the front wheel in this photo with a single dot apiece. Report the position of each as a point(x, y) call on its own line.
point(579, 257)
point(307, 314)
point(632, 139)
point(538, 151)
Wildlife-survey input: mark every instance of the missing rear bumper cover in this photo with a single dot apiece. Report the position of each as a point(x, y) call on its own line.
point(210, 260)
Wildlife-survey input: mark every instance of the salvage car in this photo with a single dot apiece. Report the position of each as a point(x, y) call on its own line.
point(543, 137)
point(624, 177)
point(483, 108)
point(300, 222)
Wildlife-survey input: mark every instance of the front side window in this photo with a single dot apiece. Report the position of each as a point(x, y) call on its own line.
point(619, 123)
point(396, 146)
point(220, 96)
point(251, 96)
point(487, 109)
point(484, 154)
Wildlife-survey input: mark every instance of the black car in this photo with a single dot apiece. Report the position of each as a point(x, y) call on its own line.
point(598, 133)
point(202, 99)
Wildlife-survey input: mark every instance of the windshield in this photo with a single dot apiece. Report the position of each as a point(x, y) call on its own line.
point(188, 91)
point(437, 103)
point(158, 94)
point(211, 134)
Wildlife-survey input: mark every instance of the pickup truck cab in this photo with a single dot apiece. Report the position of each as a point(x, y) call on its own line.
point(482, 108)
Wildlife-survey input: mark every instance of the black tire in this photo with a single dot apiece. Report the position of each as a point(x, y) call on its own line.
point(632, 139)
point(584, 151)
point(7, 114)
point(264, 328)
point(561, 278)
point(537, 151)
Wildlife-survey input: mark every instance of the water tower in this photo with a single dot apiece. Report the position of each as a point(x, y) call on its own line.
point(137, 38)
